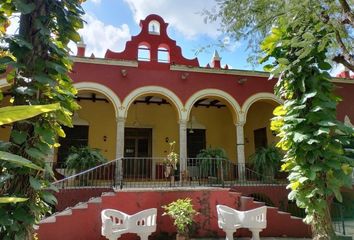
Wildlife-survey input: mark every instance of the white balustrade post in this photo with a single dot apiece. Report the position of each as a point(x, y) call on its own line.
point(183, 145)
point(240, 150)
point(120, 149)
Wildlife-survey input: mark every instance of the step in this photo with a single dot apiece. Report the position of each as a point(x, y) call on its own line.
point(70, 222)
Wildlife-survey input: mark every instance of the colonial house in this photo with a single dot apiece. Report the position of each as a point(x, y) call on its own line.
point(135, 102)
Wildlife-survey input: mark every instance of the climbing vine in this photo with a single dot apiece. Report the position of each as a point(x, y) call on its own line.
point(310, 134)
point(37, 64)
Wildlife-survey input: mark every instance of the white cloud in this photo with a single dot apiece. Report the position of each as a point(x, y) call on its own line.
point(96, 1)
point(338, 68)
point(231, 45)
point(14, 24)
point(99, 37)
point(183, 15)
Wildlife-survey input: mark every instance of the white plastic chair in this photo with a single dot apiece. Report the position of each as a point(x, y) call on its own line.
point(230, 220)
point(115, 223)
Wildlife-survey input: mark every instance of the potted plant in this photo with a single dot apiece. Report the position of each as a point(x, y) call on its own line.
point(83, 158)
point(211, 162)
point(170, 163)
point(266, 161)
point(182, 212)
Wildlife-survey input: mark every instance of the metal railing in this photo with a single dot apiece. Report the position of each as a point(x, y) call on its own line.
point(337, 215)
point(154, 173)
point(104, 175)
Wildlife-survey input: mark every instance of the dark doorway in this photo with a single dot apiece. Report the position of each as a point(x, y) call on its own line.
point(260, 138)
point(195, 142)
point(75, 137)
point(137, 153)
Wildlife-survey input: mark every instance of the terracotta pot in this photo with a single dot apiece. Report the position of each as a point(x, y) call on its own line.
point(167, 171)
point(181, 237)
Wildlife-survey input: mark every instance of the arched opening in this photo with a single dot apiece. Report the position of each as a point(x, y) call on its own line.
point(151, 124)
point(163, 54)
point(144, 52)
point(94, 126)
point(206, 117)
point(154, 27)
point(257, 130)
point(211, 139)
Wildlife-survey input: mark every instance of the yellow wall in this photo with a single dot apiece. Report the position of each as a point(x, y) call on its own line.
point(259, 115)
point(163, 121)
point(101, 118)
point(102, 122)
point(6, 129)
point(220, 129)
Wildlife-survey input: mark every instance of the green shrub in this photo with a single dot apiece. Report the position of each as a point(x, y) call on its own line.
point(84, 158)
point(267, 161)
point(211, 160)
point(182, 212)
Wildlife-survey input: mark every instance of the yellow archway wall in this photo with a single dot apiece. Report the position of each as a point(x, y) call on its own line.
point(162, 119)
point(220, 129)
point(102, 123)
point(5, 130)
point(258, 116)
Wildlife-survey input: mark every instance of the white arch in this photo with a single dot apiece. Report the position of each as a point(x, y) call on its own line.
point(211, 92)
point(256, 97)
point(90, 86)
point(152, 90)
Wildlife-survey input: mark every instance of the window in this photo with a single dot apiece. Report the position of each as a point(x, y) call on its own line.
point(144, 53)
point(195, 142)
point(154, 27)
point(260, 138)
point(76, 137)
point(163, 55)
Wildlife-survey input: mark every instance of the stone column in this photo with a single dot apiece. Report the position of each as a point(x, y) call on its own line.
point(183, 145)
point(240, 142)
point(119, 150)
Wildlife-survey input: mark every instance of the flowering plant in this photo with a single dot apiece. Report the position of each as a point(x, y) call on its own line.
point(172, 156)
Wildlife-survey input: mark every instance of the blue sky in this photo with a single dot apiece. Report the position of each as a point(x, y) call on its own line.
point(110, 23)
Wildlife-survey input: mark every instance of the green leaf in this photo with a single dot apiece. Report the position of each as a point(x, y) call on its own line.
point(312, 141)
point(299, 137)
point(324, 66)
point(307, 96)
point(283, 61)
point(18, 160)
point(321, 131)
point(48, 197)
point(326, 123)
point(11, 76)
point(57, 67)
point(21, 42)
point(18, 137)
point(279, 111)
point(6, 60)
point(337, 194)
point(45, 79)
point(21, 215)
point(17, 113)
point(24, 8)
point(12, 199)
point(45, 134)
point(35, 183)
point(35, 153)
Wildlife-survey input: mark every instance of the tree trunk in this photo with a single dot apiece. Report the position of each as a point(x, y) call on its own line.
point(322, 228)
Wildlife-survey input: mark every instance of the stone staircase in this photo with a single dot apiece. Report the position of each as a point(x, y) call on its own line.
point(82, 221)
